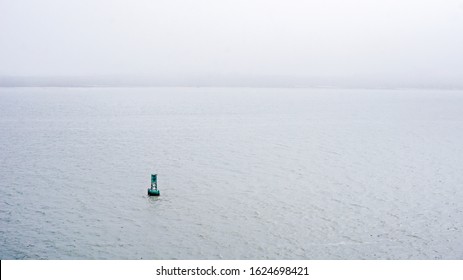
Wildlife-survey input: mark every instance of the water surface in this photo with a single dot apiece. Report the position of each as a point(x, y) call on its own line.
point(243, 173)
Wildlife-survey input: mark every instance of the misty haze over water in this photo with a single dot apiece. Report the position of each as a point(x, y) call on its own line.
point(355, 43)
point(279, 129)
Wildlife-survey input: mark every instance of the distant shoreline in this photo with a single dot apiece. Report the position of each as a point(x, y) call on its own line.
point(233, 86)
point(228, 81)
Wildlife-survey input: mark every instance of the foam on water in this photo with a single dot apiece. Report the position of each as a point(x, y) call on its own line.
point(243, 173)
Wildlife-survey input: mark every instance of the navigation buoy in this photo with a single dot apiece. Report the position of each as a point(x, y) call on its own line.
point(153, 190)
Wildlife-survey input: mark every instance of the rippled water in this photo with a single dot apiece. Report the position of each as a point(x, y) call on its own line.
point(243, 173)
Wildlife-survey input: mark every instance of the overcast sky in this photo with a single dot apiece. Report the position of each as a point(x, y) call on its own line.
point(380, 40)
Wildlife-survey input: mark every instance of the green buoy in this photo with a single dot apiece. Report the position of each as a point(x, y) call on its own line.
point(153, 190)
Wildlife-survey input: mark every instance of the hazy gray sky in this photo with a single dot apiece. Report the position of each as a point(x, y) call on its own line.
point(363, 39)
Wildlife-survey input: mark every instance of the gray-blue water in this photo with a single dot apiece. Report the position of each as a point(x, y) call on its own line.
point(243, 173)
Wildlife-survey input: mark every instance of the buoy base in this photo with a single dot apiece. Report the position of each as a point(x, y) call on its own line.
point(153, 192)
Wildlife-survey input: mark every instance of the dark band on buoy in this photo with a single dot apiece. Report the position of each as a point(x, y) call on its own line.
point(153, 192)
